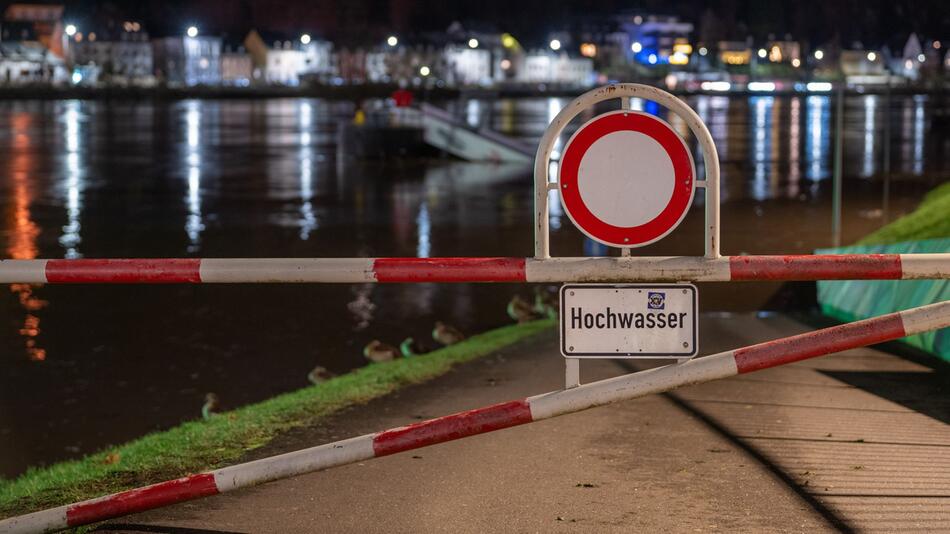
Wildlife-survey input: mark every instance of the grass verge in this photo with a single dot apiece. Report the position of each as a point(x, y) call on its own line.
point(928, 221)
point(202, 445)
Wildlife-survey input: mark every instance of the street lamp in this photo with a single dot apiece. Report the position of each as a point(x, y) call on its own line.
point(70, 29)
point(305, 39)
point(392, 41)
point(192, 31)
point(703, 51)
point(872, 56)
point(555, 44)
point(473, 43)
point(763, 53)
point(636, 47)
point(424, 70)
point(819, 54)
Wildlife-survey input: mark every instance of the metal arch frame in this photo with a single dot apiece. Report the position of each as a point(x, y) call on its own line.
point(542, 159)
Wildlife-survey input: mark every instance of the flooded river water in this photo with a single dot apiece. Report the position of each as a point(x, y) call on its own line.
point(82, 367)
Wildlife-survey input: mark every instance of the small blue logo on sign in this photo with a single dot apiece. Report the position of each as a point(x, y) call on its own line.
point(656, 301)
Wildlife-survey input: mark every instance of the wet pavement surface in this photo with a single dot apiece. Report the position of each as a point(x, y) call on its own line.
point(822, 445)
point(87, 366)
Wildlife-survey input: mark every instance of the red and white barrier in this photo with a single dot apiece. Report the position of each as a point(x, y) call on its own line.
point(482, 420)
point(361, 270)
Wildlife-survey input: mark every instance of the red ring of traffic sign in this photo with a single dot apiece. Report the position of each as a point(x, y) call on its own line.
point(664, 200)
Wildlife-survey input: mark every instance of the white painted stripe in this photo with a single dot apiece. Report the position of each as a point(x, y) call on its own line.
point(628, 269)
point(294, 463)
point(43, 521)
point(633, 385)
point(23, 271)
point(925, 318)
point(326, 270)
point(925, 266)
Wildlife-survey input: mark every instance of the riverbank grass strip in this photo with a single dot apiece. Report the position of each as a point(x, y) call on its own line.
point(202, 445)
point(929, 221)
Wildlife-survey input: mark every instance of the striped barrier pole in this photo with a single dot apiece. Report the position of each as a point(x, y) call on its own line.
point(363, 270)
point(496, 417)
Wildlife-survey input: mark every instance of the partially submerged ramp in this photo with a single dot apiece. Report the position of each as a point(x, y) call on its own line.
point(448, 133)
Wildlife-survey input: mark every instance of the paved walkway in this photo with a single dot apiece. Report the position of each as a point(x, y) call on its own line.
point(857, 441)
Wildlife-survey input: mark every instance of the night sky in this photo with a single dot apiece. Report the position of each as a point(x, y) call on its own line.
point(354, 22)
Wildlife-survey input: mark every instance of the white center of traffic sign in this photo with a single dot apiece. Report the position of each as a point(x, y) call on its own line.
point(639, 194)
point(626, 179)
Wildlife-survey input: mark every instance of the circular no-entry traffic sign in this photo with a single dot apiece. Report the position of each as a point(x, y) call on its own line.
point(626, 179)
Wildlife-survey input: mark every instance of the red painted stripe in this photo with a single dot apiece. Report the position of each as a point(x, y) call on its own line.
point(818, 267)
point(451, 427)
point(449, 269)
point(154, 271)
point(819, 343)
point(137, 500)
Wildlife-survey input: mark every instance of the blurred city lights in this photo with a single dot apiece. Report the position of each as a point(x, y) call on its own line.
point(761, 86)
point(921, 58)
point(70, 30)
point(796, 63)
point(505, 64)
point(762, 53)
point(819, 54)
point(473, 43)
point(636, 47)
point(305, 39)
point(588, 50)
point(192, 31)
point(818, 87)
point(424, 70)
point(872, 56)
point(715, 86)
point(392, 40)
point(703, 51)
point(555, 44)
point(652, 59)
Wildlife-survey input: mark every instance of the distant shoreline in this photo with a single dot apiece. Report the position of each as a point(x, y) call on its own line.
point(357, 92)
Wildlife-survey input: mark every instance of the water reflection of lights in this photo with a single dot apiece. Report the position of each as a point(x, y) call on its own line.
point(817, 126)
point(919, 133)
point(473, 113)
point(555, 212)
point(193, 225)
point(794, 147)
point(761, 144)
point(424, 229)
point(308, 221)
point(867, 161)
point(23, 232)
point(71, 232)
point(554, 107)
point(362, 306)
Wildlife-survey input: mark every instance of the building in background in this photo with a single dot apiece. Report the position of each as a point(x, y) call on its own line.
point(122, 54)
point(35, 22)
point(653, 37)
point(557, 69)
point(237, 67)
point(188, 61)
point(318, 60)
point(466, 65)
point(284, 60)
point(29, 63)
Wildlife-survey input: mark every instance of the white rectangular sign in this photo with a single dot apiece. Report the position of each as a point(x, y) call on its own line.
point(629, 320)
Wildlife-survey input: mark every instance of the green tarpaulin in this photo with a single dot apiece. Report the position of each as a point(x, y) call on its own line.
point(851, 300)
